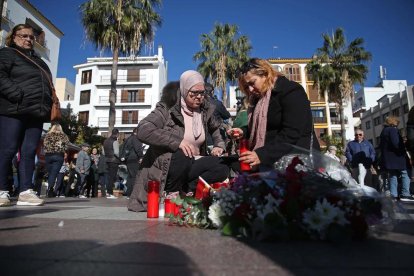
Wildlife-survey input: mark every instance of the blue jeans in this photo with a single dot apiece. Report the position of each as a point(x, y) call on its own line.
point(15, 133)
point(393, 179)
point(53, 164)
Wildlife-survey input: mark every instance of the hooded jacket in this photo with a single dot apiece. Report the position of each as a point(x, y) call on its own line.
point(163, 130)
point(24, 88)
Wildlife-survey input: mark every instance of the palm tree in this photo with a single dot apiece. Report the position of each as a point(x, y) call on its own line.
point(336, 67)
point(120, 26)
point(223, 52)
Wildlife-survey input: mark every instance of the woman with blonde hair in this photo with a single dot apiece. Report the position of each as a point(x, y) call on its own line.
point(393, 159)
point(55, 144)
point(279, 114)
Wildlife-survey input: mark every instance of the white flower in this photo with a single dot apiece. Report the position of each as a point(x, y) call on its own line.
point(327, 211)
point(340, 218)
point(214, 214)
point(314, 220)
point(271, 206)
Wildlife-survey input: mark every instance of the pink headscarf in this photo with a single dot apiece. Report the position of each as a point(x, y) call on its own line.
point(187, 80)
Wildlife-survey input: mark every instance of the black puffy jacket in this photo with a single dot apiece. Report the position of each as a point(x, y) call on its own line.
point(24, 88)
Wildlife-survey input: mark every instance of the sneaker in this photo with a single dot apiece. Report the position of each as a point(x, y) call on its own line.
point(111, 196)
point(4, 198)
point(407, 198)
point(29, 198)
point(82, 196)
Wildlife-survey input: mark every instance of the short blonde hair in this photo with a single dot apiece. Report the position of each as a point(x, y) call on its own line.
point(392, 121)
point(56, 128)
point(259, 67)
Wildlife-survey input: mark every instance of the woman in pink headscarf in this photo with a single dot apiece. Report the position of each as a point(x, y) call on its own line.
point(176, 132)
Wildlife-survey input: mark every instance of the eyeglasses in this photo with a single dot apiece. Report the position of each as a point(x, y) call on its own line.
point(25, 36)
point(359, 134)
point(246, 67)
point(201, 93)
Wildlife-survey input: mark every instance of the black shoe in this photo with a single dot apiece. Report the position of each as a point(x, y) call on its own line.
point(407, 198)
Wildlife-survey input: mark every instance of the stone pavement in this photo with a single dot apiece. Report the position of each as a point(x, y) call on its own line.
point(70, 236)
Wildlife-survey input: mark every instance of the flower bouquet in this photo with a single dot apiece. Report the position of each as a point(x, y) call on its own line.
point(303, 197)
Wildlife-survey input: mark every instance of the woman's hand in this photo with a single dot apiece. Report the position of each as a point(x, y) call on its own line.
point(235, 133)
point(188, 148)
point(216, 151)
point(250, 157)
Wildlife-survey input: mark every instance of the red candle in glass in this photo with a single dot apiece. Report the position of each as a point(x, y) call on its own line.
point(169, 207)
point(243, 147)
point(153, 198)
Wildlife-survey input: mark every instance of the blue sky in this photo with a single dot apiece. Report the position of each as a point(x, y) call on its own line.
point(295, 27)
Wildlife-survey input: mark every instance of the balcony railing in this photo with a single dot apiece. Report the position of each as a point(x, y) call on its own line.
point(337, 121)
point(124, 78)
point(104, 121)
point(319, 120)
point(105, 100)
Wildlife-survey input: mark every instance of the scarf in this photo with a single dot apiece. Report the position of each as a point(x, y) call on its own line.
point(257, 120)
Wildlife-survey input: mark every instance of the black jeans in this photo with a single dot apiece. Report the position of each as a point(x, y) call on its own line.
point(184, 171)
point(15, 134)
point(112, 177)
point(133, 168)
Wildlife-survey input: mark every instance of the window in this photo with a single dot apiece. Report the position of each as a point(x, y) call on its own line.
point(132, 75)
point(85, 97)
point(133, 96)
point(83, 117)
point(130, 117)
point(377, 121)
point(384, 116)
point(86, 77)
point(292, 72)
point(368, 124)
point(396, 112)
point(405, 108)
point(313, 94)
point(318, 114)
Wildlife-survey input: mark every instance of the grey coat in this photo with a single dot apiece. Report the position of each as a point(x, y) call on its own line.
point(163, 130)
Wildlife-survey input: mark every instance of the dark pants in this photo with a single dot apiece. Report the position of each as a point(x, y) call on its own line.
point(14, 134)
point(133, 168)
point(103, 181)
point(112, 177)
point(53, 164)
point(60, 186)
point(184, 171)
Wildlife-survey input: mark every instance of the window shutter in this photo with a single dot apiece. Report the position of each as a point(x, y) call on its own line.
point(135, 117)
point(124, 96)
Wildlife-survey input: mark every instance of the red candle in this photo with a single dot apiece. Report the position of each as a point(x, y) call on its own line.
point(243, 147)
point(169, 207)
point(153, 198)
point(202, 190)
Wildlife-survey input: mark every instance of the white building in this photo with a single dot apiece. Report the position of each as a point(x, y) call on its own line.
point(139, 85)
point(396, 104)
point(367, 97)
point(48, 36)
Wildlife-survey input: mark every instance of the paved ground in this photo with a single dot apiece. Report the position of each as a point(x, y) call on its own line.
point(99, 236)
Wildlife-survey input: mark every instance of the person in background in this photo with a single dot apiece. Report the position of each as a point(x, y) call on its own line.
point(55, 144)
point(111, 150)
point(176, 136)
point(331, 152)
point(60, 182)
point(133, 154)
point(102, 170)
point(25, 104)
point(394, 159)
point(83, 165)
point(93, 175)
point(241, 118)
point(279, 115)
point(360, 155)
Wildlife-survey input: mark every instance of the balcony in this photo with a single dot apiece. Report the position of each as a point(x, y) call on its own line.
point(104, 122)
point(337, 121)
point(319, 120)
point(104, 100)
point(124, 79)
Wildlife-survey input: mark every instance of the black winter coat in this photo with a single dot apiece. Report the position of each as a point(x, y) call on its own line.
point(289, 122)
point(24, 88)
point(393, 153)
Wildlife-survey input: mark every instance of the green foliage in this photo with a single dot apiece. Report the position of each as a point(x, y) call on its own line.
point(223, 51)
point(334, 141)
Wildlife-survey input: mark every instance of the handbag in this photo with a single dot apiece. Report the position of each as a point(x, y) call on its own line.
point(55, 112)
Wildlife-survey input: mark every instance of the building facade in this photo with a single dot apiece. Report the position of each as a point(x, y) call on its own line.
point(47, 42)
point(65, 90)
point(325, 114)
point(139, 84)
point(396, 104)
